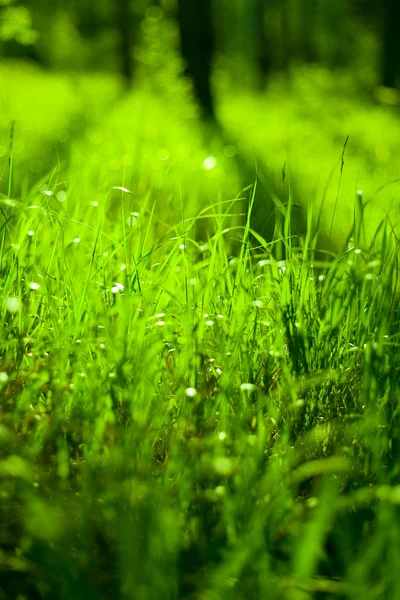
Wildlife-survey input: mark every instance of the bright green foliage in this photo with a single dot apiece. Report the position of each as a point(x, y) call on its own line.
point(184, 416)
point(16, 23)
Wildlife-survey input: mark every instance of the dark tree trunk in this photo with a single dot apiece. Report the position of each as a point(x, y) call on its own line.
point(197, 46)
point(391, 43)
point(308, 17)
point(262, 54)
point(285, 35)
point(125, 27)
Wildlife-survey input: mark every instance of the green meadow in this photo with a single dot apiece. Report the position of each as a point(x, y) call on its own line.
point(199, 348)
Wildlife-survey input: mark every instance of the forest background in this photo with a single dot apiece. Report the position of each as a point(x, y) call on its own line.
point(287, 82)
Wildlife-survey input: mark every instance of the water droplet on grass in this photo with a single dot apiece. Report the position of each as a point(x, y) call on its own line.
point(220, 490)
point(163, 154)
point(190, 392)
point(312, 502)
point(373, 264)
point(223, 465)
point(131, 220)
point(274, 353)
point(247, 387)
point(257, 303)
point(209, 163)
point(13, 304)
point(122, 189)
point(61, 196)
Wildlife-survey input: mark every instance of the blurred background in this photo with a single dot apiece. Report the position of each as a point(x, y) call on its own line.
point(119, 89)
point(242, 42)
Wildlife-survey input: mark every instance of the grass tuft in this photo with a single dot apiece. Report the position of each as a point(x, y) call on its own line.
point(189, 409)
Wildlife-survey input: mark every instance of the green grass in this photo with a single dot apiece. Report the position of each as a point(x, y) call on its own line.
point(184, 417)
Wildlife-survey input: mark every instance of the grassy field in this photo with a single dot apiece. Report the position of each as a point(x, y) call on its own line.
point(189, 410)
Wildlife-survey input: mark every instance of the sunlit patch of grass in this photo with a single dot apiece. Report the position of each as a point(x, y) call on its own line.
point(154, 147)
